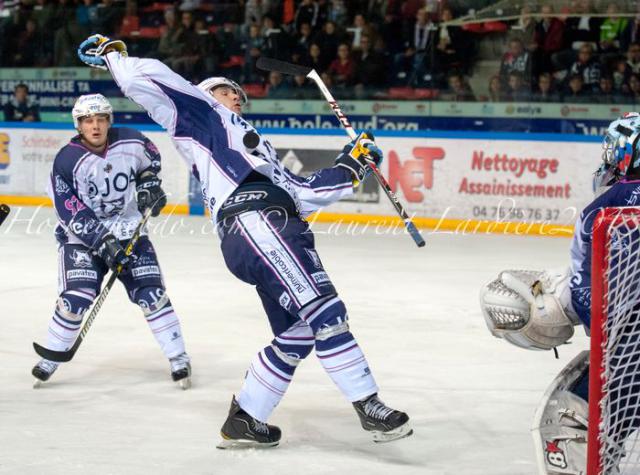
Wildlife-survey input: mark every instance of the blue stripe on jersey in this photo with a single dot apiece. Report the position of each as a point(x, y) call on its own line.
point(198, 120)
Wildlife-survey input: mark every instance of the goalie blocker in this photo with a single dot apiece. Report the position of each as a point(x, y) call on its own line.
point(529, 309)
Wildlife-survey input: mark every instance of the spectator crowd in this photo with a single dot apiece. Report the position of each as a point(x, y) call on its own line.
point(363, 49)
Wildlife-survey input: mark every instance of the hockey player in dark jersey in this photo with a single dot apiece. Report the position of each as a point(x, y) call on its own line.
point(258, 208)
point(538, 310)
point(100, 184)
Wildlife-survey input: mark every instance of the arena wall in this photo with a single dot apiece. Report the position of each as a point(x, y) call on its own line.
point(450, 181)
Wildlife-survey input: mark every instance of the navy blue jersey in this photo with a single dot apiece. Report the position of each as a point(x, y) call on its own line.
point(624, 193)
point(94, 194)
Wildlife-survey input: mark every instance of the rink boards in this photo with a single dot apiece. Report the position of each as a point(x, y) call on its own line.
point(449, 181)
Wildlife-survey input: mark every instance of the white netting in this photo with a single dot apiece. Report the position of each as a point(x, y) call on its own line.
point(620, 369)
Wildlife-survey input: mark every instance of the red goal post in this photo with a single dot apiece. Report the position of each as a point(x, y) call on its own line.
point(614, 391)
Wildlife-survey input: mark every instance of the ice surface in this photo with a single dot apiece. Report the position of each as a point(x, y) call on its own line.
point(114, 410)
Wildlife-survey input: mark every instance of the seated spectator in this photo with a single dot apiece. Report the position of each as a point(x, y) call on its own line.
point(315, 59)
point(631, 34)
point(301, 89)
point(307, 13)
point(525, 29)
point(166, 44)
point(518, 90)
point(131, 20)
point(342, 69)
point(458, 91)
point(276, 87)
point(588, 67)
point(575, 92)
point(580, 28)
point(634, 89)
point(303, 39)
point(496, 90)
point(516, 59)
point(418, 36)
point(611, 31)
point(548, 37)
point(450, 44)
point(252, 45)
point(359, 29)
point(275, 39)
point(370, 69)
point(633, 59)
point(209, 51)
point(620, 75)
point(27, 47)
point(109, 17)
point(21, 108)
point(606, 93)
point(329, 38)
point(545, 89)
point(184, 54)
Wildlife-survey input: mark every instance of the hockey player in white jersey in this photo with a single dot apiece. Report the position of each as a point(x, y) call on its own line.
point(538, 310)
point(101, 183)
point(259, 207)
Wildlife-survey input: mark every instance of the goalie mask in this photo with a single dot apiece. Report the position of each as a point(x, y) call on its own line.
point(620, 155)
point(91, 104)
point(210, 84)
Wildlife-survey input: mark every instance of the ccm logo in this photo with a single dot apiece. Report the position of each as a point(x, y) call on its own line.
point(245, 196)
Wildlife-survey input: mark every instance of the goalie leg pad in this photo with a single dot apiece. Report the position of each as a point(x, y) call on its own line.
point(526, 308)
point(560, 423)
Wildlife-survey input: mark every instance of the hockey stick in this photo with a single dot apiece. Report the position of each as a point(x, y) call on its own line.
point(4, 212)
point(64, 356)
point(268, 64)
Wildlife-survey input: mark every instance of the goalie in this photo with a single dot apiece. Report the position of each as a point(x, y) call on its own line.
point(538, 311)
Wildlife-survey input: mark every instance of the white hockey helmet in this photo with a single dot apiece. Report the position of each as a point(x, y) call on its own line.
point(91, 104)
point(211, 83)
point(621, 150)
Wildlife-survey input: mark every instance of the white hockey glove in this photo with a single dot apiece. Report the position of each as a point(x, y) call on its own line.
point(92, 50)
point(530, 309)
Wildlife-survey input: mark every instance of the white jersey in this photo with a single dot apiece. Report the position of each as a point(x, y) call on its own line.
point(210, 137)
point(94, 194)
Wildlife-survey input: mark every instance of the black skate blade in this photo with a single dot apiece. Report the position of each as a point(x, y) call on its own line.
point(51, 355)
point(184, 383)
point(401, 432)
point(239, 444)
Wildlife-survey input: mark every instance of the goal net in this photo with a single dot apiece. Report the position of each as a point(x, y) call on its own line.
point(614, 379)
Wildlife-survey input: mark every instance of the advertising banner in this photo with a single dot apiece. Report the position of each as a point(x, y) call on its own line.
point(482, 178)
point(26, 158)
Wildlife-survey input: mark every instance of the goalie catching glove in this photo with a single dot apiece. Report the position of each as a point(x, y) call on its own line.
point(530, 309)
point(92, 50)
point(357, 156)
point(150, 194)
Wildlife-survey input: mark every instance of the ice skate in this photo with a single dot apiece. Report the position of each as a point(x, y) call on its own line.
point(384, 423)
point(43, 371)
point(240, 430)
point(181, 370)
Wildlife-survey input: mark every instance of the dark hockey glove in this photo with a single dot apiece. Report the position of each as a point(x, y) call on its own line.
point(113, 254)
point(358, 154)
point(150, 194)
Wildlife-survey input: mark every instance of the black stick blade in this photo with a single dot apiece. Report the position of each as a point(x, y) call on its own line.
point(57, 356)
point(4, 212)
point(270, 64)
